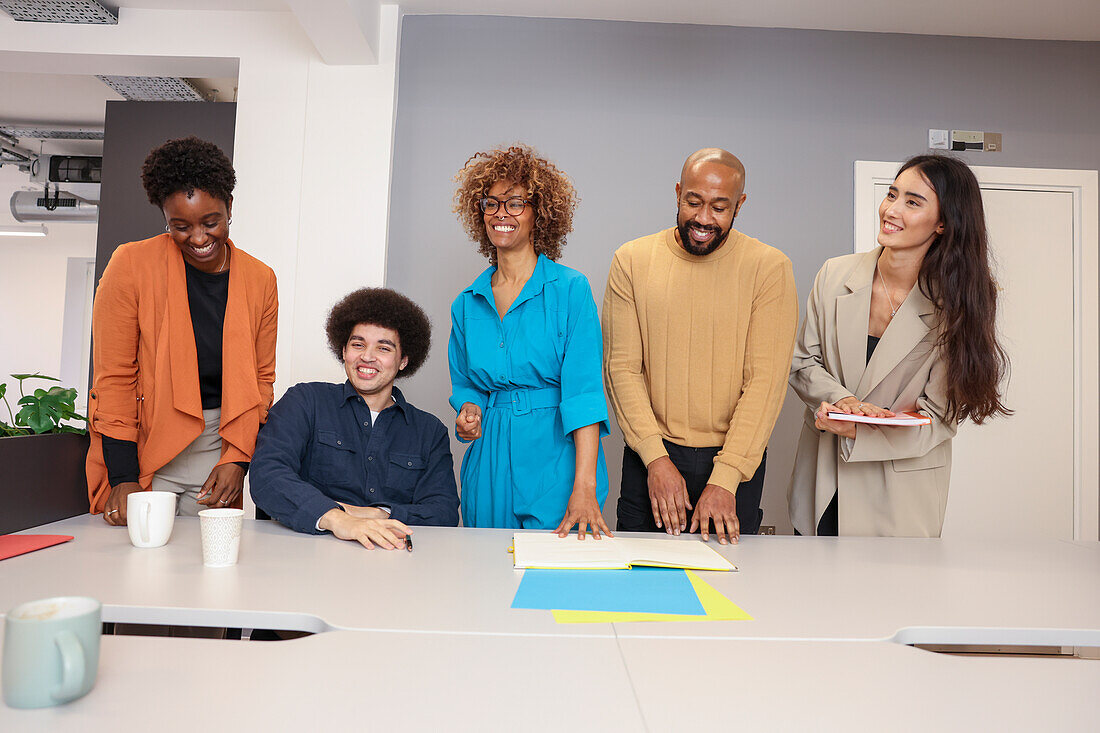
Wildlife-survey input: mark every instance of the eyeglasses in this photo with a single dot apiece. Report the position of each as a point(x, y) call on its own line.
point(514, 206)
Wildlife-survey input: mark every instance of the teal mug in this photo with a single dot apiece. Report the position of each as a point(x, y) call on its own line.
point(51, 651)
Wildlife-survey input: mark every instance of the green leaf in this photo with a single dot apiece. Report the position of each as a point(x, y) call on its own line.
point(42, 411)
point(36, 375)
point(3, 390)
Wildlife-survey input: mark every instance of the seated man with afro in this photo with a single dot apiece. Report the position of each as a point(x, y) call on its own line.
point(356, 459)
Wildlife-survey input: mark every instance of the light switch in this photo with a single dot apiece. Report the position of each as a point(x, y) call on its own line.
point(992, 142)
point(937, 140)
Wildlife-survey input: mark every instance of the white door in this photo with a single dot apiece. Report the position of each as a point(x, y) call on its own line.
point(1033, 474)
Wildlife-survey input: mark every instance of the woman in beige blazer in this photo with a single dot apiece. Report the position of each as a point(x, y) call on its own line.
point(908, 326)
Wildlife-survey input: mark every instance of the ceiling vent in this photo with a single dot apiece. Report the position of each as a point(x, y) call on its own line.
point(59, 11)
point(41, 133)
point(152, 88)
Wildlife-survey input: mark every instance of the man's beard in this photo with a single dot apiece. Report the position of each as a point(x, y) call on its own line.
point(694, 247)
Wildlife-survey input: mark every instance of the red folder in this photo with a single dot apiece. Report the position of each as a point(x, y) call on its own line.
point(18, 544)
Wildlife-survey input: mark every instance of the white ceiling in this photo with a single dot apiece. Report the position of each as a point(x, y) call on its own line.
point(1077, 20)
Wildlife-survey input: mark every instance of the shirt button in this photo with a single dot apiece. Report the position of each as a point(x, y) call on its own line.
point(372, 491)
point(502, 344)
point(370, 458)
point(410, 463)
point(339, 443)
point(366, 424)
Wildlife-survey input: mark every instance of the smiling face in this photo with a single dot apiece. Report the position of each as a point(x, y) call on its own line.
point(708, 197)
point(372, 360)
point(508, 231)
point(199, 226)
point(909, 216)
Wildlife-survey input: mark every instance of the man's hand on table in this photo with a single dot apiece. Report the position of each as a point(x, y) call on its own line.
point(668, 495)
point(114, 510)
point(720, 505)
point(365, 512)
point(389, 534)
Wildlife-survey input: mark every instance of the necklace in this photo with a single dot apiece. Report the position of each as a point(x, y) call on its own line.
point(893, 308)
point(226, 257)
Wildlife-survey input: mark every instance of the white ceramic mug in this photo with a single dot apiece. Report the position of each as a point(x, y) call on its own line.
point(221, 536)
point(51, 651)
point(150, 516)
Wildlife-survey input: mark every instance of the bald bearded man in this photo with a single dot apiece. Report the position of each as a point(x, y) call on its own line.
point(698, 330)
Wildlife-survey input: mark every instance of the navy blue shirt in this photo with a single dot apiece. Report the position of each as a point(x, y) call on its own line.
point(319, 447)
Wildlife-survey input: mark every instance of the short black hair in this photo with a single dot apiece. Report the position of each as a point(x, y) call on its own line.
point(388, 309)
point(184, 165)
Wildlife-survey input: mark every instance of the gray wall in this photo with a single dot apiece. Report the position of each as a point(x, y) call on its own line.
point(130, 132)
point(620, 105)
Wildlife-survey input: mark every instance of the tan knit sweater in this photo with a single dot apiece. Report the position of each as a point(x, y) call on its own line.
point(697, 349)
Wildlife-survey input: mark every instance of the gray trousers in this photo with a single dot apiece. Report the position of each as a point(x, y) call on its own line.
point(185, 474)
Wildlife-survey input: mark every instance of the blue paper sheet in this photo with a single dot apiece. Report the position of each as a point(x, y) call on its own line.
point(642, 590)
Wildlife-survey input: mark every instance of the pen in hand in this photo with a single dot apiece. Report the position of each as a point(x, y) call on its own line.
point(409, 542)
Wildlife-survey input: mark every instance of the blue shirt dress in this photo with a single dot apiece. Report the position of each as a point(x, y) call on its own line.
point(537, 377)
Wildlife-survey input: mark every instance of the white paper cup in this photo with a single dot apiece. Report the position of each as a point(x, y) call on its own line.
point(221, 536)
point(149, 517)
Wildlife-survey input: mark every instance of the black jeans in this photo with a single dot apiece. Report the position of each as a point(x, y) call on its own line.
point(635, 513)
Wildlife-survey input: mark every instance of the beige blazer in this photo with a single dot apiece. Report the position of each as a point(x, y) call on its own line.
point(892, 481)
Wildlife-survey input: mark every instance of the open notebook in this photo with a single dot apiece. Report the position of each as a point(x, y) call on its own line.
point(545, 550)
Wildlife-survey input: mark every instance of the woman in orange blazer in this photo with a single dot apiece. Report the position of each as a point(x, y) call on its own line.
point(183, 353)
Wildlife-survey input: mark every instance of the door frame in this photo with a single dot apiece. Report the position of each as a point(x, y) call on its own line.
point(1083, 186)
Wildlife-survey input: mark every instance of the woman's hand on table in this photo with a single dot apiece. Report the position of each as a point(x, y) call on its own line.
point(223, 487)
point(389, 534)
point(584, 512)
point(468, 422)
point(114, 510)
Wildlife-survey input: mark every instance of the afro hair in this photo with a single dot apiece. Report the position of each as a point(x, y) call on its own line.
point(388, 309)
point(184, 165)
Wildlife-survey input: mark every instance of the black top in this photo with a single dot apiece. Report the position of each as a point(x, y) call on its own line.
point(207, 295)
point(872, 342)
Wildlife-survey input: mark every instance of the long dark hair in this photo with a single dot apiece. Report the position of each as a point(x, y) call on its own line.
point(956, 277)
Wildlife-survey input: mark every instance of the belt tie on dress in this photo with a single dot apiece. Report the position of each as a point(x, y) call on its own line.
point(522, 401)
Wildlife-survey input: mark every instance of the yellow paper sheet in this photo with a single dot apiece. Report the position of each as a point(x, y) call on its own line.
point(715, 605)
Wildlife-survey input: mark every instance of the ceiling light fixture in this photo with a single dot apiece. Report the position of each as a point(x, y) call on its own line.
point(32, 230)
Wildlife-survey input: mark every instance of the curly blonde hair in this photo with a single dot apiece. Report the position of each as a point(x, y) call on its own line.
point(552, 195)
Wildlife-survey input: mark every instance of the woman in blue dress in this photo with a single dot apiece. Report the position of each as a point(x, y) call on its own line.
point(525, 354)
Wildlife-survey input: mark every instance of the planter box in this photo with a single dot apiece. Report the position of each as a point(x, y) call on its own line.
point(41, 480)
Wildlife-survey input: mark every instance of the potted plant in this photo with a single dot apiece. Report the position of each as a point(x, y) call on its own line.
point(41, 457)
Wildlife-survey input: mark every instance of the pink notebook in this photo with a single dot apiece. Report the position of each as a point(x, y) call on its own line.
point(19, 544)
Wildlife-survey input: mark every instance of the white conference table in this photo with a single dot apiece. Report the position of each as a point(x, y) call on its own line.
point(474, 682)
point(427, 640)
point(1038, 592)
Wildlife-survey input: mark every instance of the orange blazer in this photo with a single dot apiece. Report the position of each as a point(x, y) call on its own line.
point(145, 384)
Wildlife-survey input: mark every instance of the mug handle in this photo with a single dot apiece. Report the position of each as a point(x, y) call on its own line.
point(143, 525)
point(72, 666)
